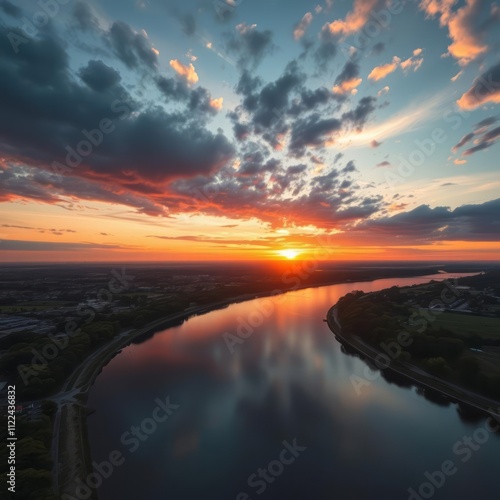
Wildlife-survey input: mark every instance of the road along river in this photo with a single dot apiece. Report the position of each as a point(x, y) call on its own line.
point(257, 401)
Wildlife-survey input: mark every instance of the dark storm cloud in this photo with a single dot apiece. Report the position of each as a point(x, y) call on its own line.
point(158, 156)
point(296, 169)
point(483, 136)
point(248, 84)
point(358, 116)
point(44, 112)
point(254, 164)
point(485, 141)
point(286, 105)
point(337, 157)
point(326, 205)
point(197, 100)
point(10, 9)
point(84, 17)
point(130, 47)
point(327, 181)
point(269, 106)
point(484, 89)
point(34, 184)
point(158, 145)
point(486, 122)
point(241, 131)
point(188, 24)
point(38, 63)
point(309, 100)
point(250, 45)
point(349, 168)
point(349, 71)
point(172, 88)
point(312, 131)
point(467, 223)
point(326, 52)
point(273, 99)
point(464, 140)
point(98, 76)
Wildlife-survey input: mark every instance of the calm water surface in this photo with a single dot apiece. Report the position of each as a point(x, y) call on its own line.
point(289, 380)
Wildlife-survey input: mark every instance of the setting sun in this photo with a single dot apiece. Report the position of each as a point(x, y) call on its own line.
point(289, 254)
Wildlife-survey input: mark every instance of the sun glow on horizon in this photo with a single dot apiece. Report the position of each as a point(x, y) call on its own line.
point(289, 253)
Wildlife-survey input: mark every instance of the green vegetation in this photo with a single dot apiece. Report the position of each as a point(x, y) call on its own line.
point(42, 364)
point(460, 348)
point(466, 325)
point(33, 458)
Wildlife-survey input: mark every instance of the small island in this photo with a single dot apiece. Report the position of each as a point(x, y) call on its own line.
point(442, 336)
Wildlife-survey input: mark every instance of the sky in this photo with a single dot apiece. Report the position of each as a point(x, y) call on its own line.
point(166, 130)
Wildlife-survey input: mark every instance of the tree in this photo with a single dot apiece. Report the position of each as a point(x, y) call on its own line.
point(468, 367)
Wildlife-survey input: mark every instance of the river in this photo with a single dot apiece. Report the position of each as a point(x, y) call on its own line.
point(237, 406)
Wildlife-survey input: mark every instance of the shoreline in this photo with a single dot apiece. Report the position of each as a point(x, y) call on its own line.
point(90, 369)
point(452, 393)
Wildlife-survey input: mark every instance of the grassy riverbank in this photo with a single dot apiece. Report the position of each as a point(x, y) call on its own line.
point(401, 362)
point(73, 425)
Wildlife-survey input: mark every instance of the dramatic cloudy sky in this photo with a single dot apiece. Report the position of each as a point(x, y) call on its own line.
point(234, 129)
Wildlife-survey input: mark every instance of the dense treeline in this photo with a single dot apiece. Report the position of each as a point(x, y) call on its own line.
point(378, 318)
point(39, 364)
point(33, 457)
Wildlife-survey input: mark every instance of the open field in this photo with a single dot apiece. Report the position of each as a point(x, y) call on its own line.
point(465, 324)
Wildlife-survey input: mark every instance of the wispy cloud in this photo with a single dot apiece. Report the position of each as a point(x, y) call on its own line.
point(402, 122)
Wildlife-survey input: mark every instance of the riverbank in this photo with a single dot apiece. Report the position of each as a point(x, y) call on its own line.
point(414, 374)
point(71, 446)
point(71, 432)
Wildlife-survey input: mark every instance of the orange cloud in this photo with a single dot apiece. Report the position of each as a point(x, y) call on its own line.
point(383, 91)
point(300, 29)
point(464, 26)
point(187, 72)
point(217, 103)
point(380, 72)
point(484, 89)
point(355, 20)
point(412, 63)
point(438, 7)
point(349, 86)
point(466, 45)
